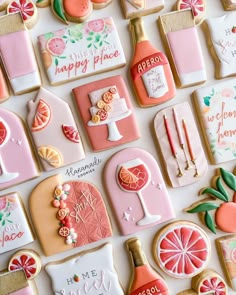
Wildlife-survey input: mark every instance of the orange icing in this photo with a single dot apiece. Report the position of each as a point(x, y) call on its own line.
point(3, 86)
point(77, 8)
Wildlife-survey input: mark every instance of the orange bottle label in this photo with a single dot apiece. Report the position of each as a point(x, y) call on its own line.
point(157, 287)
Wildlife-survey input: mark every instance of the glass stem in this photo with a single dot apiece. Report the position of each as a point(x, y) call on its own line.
point(145, 210)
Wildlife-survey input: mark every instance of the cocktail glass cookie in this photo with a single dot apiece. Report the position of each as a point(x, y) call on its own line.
point(71, 214)
point(136, 190)
point(182, 249)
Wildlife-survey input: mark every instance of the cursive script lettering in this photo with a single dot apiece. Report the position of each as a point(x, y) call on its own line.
point(227, 45)
point(89, 168)
point(9, 237)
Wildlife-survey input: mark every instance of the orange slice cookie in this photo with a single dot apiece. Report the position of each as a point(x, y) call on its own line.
point(51, 156)
point(42, 116)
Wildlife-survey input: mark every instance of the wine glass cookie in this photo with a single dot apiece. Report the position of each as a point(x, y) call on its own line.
point(71, 214)
point(181, 249)
point(218, 210)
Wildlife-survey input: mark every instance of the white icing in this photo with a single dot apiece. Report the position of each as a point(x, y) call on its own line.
point(95, 271)
point(96, 95)
point(192, 78)
point(26, 82)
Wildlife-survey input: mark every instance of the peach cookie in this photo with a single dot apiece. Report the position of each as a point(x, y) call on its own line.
point(222, 41)
point(71, 214)
point(180, 145)
point(226, 248)
point(137, 8)
point(221, 205)
point(198, 8)
point(15, 230)
point(182, 249)
point(86, 272)
point(27, 260)
point(207, 282)
point(229, 4)
point(106, 111)
point(49, 115)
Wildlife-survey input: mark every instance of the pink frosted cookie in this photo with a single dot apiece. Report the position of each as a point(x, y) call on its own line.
point(198, 8)
point(27, 9)
point(20, 65)
point(106, 111)
point(221, 36)
point(17, 161)
point(180, 145)
point(90, 271)
point(15, 230)
point(81, 50)
point(54, 131)
point(137, 8)
point(229, 4)
point(71, 214)
point(4, 93)
point(182, 249)
point(143, 202)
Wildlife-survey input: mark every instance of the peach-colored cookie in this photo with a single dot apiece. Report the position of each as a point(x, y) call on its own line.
point(77, 10)
point(220, 207)
point(54, 131)
point(4, 93)
point(207, 282)
point(71, 214)
point(229, 4)
point(98, 4)
point(198, 8)
point(15, 230)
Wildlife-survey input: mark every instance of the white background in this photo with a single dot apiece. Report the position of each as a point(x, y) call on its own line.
point(180, 197)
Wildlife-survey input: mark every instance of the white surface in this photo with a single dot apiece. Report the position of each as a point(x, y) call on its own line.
point(181, 197)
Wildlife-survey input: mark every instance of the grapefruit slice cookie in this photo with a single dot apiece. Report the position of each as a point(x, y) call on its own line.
point(137, 8)
point(91, 39)
point(15, 230)
point(90, 271)
point(221, 36)
point(180, 145)
point(17, 160)
point(71, 214)
point(229, 4)
point(54, 131)
point(182, 249)
point(106, 111)
point(215, 106)
point(218, 210)
point(207, 282)
point(134, 176)
point(198, 8)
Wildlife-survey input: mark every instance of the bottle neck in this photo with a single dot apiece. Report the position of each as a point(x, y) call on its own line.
point(137, 30)
point(136, 252)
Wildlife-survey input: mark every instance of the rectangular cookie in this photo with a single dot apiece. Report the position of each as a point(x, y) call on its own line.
point(177, 27)
point(216, 109)
point(81, 50)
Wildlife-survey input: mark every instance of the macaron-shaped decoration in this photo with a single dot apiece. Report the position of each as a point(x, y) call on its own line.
point(218, 210)
point(198, 8)
point(181, 249)
point(28, 260)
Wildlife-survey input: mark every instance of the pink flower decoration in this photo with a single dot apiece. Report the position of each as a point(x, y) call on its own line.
point(56, 46)
point(3, 203)
point(213, 284)
point(96, 25)
point(26, 8)
point(227, 92)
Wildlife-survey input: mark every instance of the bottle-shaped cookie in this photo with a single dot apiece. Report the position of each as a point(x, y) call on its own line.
point(150, 70)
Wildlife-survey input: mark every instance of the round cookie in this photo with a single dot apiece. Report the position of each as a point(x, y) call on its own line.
point(98, 4)
point(198, 8)
point(181, 249)
point(77, 10)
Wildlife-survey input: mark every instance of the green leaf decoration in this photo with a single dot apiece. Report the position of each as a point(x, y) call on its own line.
point(89, 38)
point(58, 9)
point(3, 222)
point(56, 61)
point(89, 45)
point(212, 92)
point(38, 1)
point(48, 35)
point(229, 178)
point(91, 33)
point(100, 44)
point(215, 193)
point(203, 207)
point(232, 244)
point(207, 100)
point(221, 189)
point(210, 222)
point(72, 41)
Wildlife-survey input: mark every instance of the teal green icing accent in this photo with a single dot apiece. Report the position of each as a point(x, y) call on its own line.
point(221, 188)
point(209, 222)
point(229, 178)
point(203, 207)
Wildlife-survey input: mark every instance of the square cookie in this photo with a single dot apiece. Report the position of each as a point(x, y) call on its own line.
point(106, 111)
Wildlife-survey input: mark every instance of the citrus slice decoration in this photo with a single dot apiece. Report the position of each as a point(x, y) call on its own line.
point(103, 115)
point(197, 6)
point(42, 116)
point(25, 7)
point(51, 156)
point(126, 176)
point(3, 133)
point(183, 249)
point(213, 286)
point(71, 133)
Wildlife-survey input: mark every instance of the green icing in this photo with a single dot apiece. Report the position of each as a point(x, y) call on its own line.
point(229, 178)
point(221, 189)
point(58, 9)
point(203, 207)
point(215, 193)
point(209, 222)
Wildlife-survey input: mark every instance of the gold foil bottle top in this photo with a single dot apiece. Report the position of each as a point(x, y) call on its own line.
point(135, 247)
point(137, 30)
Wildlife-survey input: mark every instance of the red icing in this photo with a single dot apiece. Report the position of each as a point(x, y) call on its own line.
point(25, 262)
point(197, 6)
point(25, 7)
point(71, 133)
point(156, 287)
point(213, 285)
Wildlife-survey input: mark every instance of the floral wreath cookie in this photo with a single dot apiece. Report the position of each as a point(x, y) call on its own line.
point(218, 210)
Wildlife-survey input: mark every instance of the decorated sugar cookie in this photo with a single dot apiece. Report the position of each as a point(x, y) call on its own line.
point(4, 93)
point(222, 44)
point(15, 230)
point(216, 105)
point(134, 176)
point(3, 4)
point(106, 111)
point(198, 8)
point(180, 145)
point(229, 4)
point(71, 214)
point(54, 131)
point(182, 249)
point(207, 282)
point(226, 248)
point(86, 272)
point(218, 210)
point(17, 161)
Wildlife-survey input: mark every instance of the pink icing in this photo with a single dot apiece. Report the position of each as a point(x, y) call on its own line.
point(18, 57)
point(25, 291)
point(186, 50)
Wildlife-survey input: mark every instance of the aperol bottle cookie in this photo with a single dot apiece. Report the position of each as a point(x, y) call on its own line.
point(71, 214)
point(181, 249)
point(54, 131)
point(106, 111)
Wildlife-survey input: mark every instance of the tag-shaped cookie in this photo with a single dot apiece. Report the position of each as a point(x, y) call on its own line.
point(71, 214)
